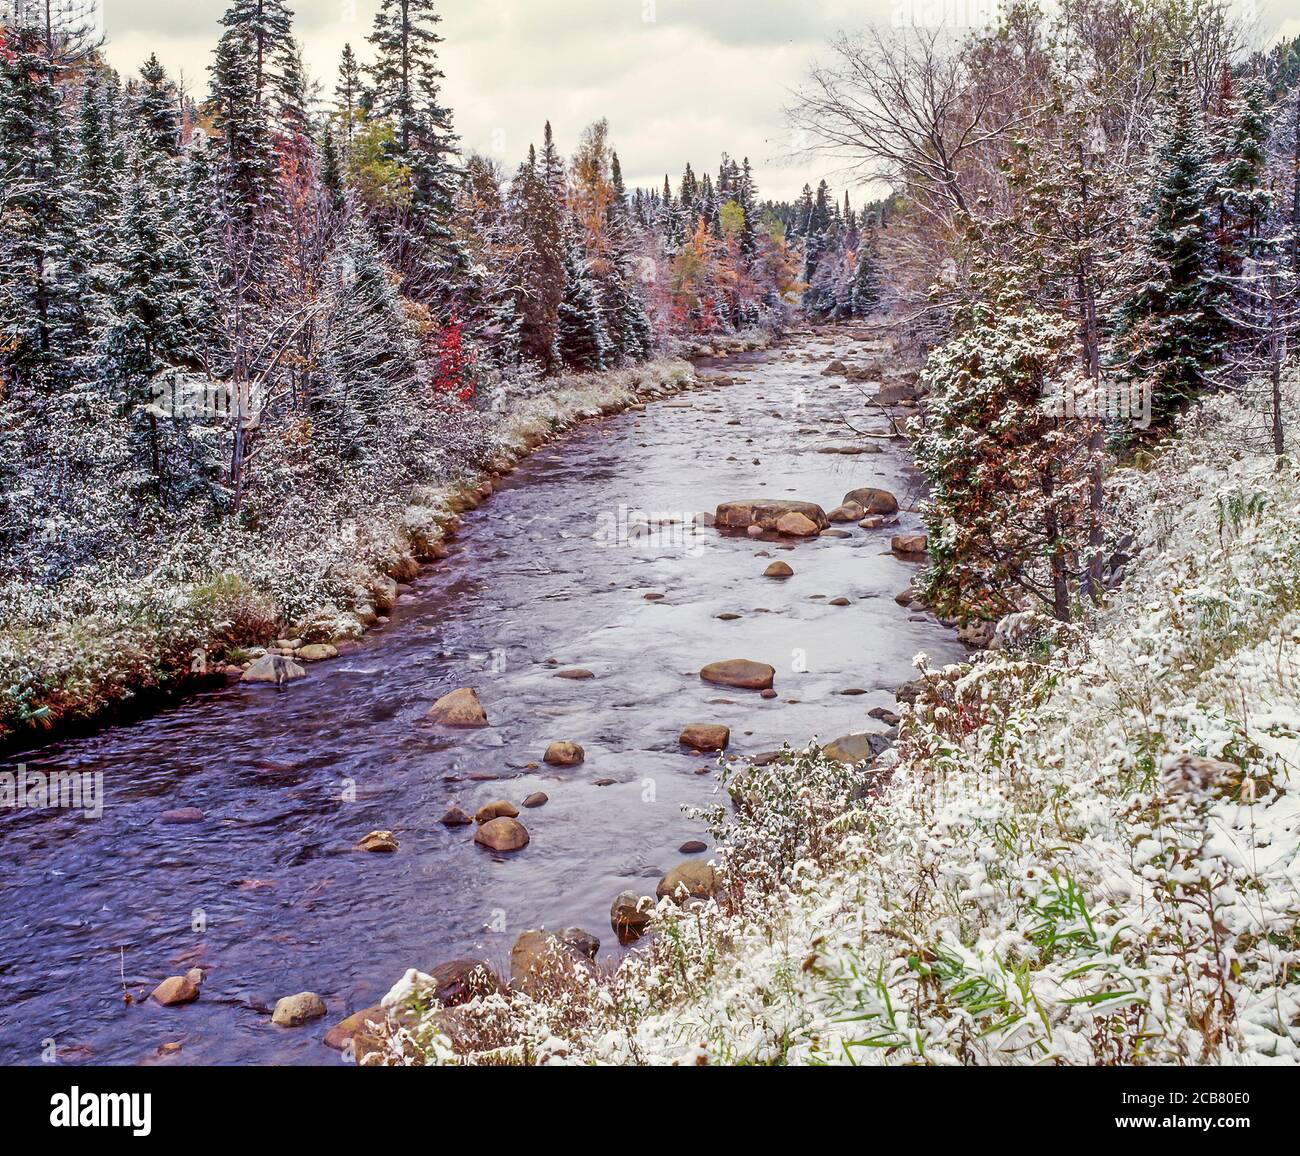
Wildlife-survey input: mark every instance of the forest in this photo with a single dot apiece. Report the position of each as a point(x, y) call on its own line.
point(288, 375)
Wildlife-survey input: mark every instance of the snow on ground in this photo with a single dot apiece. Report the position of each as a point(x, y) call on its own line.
point(1081, 850)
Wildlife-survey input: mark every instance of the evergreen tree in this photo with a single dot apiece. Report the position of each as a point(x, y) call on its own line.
point(406, 88)
point(268, 25)
point(552, 168)
point(583, 341)
point(535, 218)
point(1170, 328)
point(347, 97)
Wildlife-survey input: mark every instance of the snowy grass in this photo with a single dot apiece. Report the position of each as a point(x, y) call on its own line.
point(1084, 851)
point(194, 594)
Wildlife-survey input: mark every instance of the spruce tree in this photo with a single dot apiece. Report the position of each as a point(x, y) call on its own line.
point(583, 341)
point(536, 219)
point(1170, 328)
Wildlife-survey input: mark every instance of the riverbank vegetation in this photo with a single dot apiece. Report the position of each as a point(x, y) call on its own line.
point(1081, 849)
point(1082, 846)
point(243, 335)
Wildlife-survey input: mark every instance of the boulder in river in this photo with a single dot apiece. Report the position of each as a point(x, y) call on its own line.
point(849, 512)
point(295, 1010)
point(174, 990)
point(384, 841)
point(705, 736)
point(909, 543)
point(873, 500)
point(461, 980)
point(765, 512)
point(859, 748)
point(537, 799)
point(796, 525)
point(459, 708)
point(274, 668)
point(503, 834)
point(340, 1035)
point(779, 570)
point(316, 652)
point(575, 673)
point(740, 673)
point(183, 815)
point(456, 817)
point(542, 962)
point(564, 754)
point(695, 879)
point(495, 810)
point(629, 916)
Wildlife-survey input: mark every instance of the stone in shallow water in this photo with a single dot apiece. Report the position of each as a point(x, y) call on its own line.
point(779, 570)
point(705, 736)
point(503, 834)
point(495, 810)
point(174, 990)
point(695, 878)
point(382, 841)
point(295, 1010)
point(857, 748)
point(459, 708)
point(274, 668)
point(741, 673)
point(873, 500)
point(564, 754)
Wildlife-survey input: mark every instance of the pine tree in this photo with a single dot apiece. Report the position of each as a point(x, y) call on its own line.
point(347, 97)
point(535, 218)
point(406, 81)
point(247, 167)
point(1170, 327)
point(552, 167)
point(583, 342)
point(40, 310)
point(156, 109)
point(1008, 509)
point(367, 359)
point(268, 25)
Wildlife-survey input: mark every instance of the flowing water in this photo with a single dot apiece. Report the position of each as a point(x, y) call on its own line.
point(267, 893)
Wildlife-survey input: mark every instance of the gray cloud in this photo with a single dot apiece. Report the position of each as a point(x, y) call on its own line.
point(678, 80)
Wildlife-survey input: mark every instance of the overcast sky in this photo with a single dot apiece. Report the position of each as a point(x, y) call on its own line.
point(678, 79)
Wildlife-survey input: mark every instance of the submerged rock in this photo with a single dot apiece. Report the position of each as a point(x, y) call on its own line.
point(542, 962)
point(383, 841)
point(796, 525)
point(630, 916)
point(496, 809)
point(340, 1035)
point(174, 990)
point(859, 748)
point(295, 1010)
point(456, 817)
point(459, 708)
point(779, 570)
point(909, 543)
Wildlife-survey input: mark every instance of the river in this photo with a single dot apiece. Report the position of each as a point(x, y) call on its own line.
point(267, 893)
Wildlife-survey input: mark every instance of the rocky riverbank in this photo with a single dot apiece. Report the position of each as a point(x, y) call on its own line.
point(1081, 849)
point(113, 644)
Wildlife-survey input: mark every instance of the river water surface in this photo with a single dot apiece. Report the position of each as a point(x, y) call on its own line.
point(267, 893)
